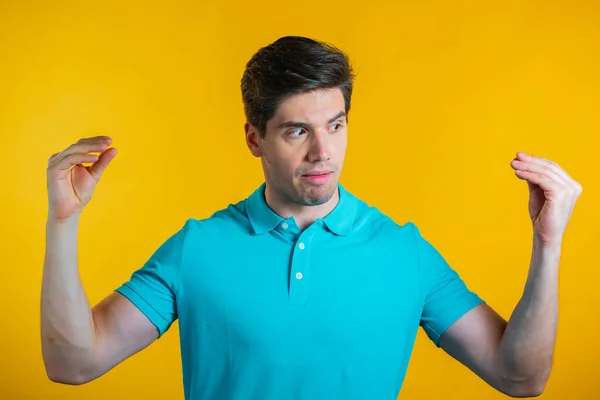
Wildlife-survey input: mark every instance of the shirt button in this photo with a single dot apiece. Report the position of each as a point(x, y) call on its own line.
point(301, 245)
point(284, 225)
point(299, 275)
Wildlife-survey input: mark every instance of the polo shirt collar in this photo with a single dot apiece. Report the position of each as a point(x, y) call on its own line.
point(261, 216)
point(264, 219)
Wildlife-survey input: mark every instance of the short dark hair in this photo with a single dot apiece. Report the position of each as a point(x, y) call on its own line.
point(292, 65)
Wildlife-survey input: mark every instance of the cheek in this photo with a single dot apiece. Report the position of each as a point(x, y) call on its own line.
point(340, 146)
point(289, 165)
point(282, 161)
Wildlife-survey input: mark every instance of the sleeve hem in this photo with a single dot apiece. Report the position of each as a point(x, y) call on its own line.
point(157, 320)
point(187, 227)
point(451, 318)
point(415, 233)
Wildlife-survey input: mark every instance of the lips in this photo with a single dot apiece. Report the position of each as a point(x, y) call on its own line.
point(320, 177)
point(318, 173)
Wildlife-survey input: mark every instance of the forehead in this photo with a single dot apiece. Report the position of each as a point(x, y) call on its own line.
point(315, 107)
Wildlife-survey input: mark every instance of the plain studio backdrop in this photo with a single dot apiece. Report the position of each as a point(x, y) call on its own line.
point(446, 94)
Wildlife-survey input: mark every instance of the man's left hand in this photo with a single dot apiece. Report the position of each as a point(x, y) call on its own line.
point(552, 196)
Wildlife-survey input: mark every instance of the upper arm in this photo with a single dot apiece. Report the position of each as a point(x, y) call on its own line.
point(455, 318)
point(445, 296)
point(459, 321)
point(121, 331)
point(474, 340)
point(141, 310)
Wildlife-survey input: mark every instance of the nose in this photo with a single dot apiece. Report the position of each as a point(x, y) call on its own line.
point(319, 147)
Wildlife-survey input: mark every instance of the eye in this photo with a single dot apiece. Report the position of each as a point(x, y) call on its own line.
point(293, 133)
point(335, 127)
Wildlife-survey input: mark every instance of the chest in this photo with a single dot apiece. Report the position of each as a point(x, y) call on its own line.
point(318, 293)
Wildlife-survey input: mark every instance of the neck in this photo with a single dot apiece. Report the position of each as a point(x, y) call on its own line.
point(303, 215)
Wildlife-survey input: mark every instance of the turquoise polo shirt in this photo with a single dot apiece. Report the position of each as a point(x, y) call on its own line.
point(268, 312)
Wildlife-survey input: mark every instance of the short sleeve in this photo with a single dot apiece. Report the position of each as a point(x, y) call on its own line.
point(153, 287)
point(446, 297)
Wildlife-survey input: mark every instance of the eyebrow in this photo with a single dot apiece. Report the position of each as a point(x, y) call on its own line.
point(294, 124)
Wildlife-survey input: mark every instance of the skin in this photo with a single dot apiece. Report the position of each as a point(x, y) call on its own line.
point(313, 137)
point(80, 343)
point(516, 356)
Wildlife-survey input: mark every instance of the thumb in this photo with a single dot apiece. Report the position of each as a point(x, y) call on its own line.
point(531, 186)
point(97, 168)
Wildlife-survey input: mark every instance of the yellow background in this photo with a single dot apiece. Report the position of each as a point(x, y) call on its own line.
point(447, 93)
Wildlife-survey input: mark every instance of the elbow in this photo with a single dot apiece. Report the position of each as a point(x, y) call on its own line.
point(526, 384)
point(66, 378)
point(525, 393)
point(58, 373)
point(66, 367)
point(73, 381)
point(526, 389)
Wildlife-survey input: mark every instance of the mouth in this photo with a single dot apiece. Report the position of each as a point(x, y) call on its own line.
point(317, 177)
point(318, 173)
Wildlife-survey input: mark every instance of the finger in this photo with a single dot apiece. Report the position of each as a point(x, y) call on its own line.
point(538, 169)
point(570, 183)
point(551, 165)
point(77, 149)
point(74, 159)
point(99, 166)
point(95, 139)
point(542, 180)
point(86, 145)
point(52, 157)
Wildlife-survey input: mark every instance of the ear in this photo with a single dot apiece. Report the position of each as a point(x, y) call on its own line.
point(253, 139)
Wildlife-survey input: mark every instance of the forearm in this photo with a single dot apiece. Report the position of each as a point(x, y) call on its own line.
point(67, 326)
point(527, 346)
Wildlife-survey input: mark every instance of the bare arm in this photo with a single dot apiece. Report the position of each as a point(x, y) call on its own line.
point(80, 343)
point(514, 357)
point(527, 347)
point(517, 357)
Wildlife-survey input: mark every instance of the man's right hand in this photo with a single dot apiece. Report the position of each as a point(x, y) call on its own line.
point(81, 343)
point(70, 184)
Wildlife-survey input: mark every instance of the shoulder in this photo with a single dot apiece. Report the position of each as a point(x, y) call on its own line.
point(371, 219)
point(231, 219)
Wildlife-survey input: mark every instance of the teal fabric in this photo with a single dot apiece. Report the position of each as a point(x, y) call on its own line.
point(268, 312)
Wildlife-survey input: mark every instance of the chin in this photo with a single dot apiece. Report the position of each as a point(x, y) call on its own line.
point(317, 195)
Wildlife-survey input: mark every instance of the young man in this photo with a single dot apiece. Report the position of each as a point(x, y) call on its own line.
point(301, 290)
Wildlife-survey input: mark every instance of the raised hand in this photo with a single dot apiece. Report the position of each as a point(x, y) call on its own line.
point(552, 195)
point(71, 184)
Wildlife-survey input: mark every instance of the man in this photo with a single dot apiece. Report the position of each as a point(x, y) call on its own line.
point(301, 290)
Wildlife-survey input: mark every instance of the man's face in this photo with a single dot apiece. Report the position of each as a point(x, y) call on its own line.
point(303, 150)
